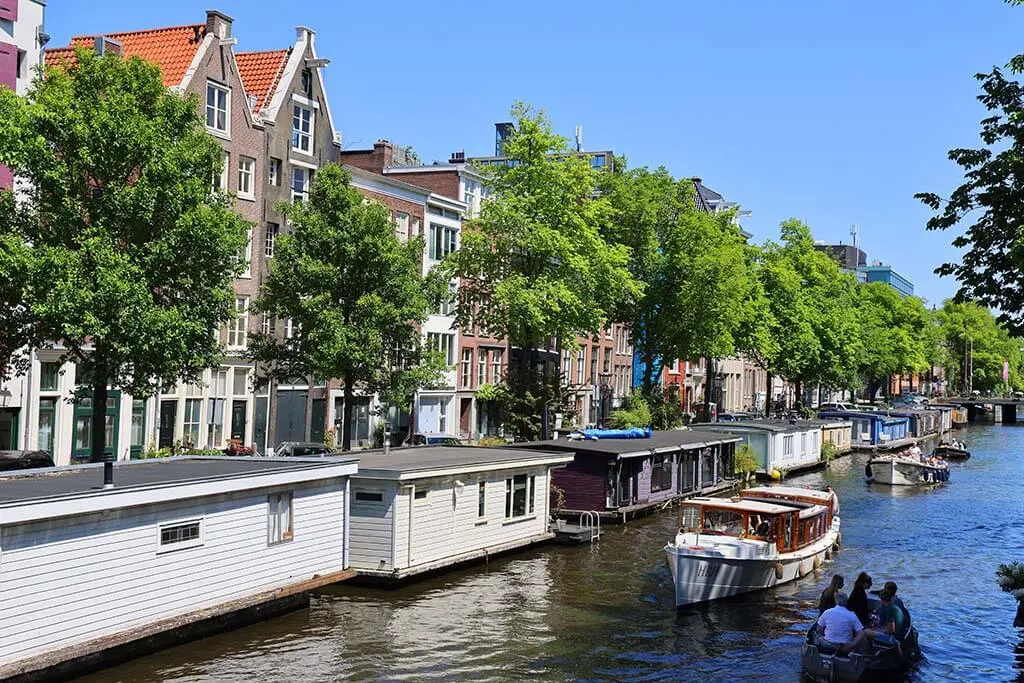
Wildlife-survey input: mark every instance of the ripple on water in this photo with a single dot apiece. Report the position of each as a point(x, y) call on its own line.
point(604, 612)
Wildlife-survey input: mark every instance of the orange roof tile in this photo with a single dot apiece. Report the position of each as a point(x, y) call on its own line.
point(171, 48)
point(260, 72)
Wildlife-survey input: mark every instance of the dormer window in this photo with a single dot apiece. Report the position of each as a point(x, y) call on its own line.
point(218, 99)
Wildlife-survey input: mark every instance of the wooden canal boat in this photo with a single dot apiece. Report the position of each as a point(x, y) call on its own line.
point(904, 471)
point(729, 547)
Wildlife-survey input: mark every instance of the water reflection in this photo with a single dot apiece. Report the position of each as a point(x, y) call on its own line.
point(605, 612)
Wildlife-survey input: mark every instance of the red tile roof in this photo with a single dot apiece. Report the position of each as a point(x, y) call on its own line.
point(260, 72)
point(171, 48)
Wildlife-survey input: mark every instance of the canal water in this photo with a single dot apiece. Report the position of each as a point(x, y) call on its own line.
point(604, 612)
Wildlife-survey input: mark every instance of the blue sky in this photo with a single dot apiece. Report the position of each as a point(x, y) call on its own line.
point(833, 112)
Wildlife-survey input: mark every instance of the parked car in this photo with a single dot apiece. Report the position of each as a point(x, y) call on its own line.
point(435, 439)
point(836, 406)
point(24, 460)
point(734, 417)
point(301, 448)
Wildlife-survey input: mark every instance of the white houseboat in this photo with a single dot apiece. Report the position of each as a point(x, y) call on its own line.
point(416, 510)
point(180, 547)
point(778, 445)
point(764, 538)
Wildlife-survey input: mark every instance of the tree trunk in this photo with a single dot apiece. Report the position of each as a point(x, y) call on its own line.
point(798, 393)
point(99, 421)
point(709, 383)
point(346, 419)
point(768, 398)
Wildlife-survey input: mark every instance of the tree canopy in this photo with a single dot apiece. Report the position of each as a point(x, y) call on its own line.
point(355, 296)
point(122, 254)
point(894, 334)
point(974, 339)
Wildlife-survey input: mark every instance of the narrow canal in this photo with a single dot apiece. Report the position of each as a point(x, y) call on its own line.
point(605, 612)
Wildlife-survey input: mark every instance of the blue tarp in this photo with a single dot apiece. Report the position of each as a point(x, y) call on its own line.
point(631, 433)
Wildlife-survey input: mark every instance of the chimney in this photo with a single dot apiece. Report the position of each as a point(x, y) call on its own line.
point(218, 23)
point(383, 153)
point(696, 180)
point(458, 157)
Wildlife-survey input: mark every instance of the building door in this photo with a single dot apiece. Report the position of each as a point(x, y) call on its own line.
point(259, 423)
point(168, 413)
point(238, 408)
point(316, 429)
point(291, 416)
point(9, 429)
point(84, 409)
point(465, 412)
point(138, 431)
point(625, 484)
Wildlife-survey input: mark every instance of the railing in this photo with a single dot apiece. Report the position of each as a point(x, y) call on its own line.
point(591, 522)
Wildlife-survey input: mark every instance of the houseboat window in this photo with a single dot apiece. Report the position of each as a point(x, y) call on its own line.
point(279, 518)
point(481, 499)
point(787, 446)
point(369, 497)
point(726, 521)
point(421, 494)
point(533, 490)
point(787, 535)
point(181, 535)
point(515, 496)
point(661, 472)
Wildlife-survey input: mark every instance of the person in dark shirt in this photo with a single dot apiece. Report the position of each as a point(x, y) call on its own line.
point(891, 621)
point(828, 596)
point(891, 587)
point(858, 603)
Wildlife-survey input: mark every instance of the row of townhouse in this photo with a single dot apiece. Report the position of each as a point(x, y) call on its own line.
point(271, 115)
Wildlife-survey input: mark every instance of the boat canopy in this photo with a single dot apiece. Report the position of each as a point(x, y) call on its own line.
point(754, 506)
point(780, 491)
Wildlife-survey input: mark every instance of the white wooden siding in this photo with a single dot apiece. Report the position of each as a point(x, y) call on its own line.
point(79, 578)
point(446, 524)
point(372, 523)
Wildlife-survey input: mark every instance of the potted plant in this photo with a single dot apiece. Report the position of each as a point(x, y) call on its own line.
point(746, 462)
point(1010, 578)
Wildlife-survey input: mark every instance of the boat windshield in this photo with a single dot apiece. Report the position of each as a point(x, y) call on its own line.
point(724, 521)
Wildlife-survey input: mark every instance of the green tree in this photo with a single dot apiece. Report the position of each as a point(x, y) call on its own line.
point(975, 340)
point(129, 256)
point(534, 266)
point(893, 335)
point(355, 295)
point(634, 412)
point(18, 329)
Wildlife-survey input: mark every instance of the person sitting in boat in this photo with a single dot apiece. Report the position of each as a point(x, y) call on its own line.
point(828, 596)
point(841, 630)
point(763, 528)
point(892, 588)
point(891, 620)
point(858, 602)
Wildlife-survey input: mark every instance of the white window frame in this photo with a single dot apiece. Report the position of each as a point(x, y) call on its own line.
point(466, 369)
point(300, 136)
point(787, 446)
point(274, 172)
point(497, 361)
point(303, 193)
point(481, 500)
point(402, 226)
point(270, 231)
point(277, 536)
point(220, 182)
point(511, 487)
point(214, 108)
point(481, 366)
point(247, 271)
point(162, 547)
point(246, 177)
point(192, 424)
point(238, 328)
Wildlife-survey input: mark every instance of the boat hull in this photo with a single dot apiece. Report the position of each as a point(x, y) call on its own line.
point(848, 668)
point(703, 572)
point(948, 453)
point(893, 472)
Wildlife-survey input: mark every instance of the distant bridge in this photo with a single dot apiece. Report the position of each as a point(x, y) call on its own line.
point(1004, 409)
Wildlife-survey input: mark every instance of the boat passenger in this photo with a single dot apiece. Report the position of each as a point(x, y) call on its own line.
point(916, 452)
point(891, 587)
point(828, 596)
point(858, 603)
point(764, 528)
point(840, 628)
point(891, 620)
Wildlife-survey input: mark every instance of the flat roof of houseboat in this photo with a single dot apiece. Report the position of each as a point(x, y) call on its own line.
point(135, 475)
point(418, 462)
point(787, 491)
point(741, 505)
point(666, 440)
point(761, 425)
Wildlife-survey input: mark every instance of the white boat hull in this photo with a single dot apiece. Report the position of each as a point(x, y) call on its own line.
point(894, 472)
point(708, 568)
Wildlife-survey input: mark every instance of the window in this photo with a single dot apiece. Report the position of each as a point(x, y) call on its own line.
point(181, 535)
point(289, 328)
point(447, 306)
point(466, 368)
point(369, 497)
point(238, 329)
point(421, 494)
point(673, 366)
point(307, 82)
point(247, 272)
point(270, 238)
point(787, 446)
point(566, 366)
point(217, 99)
point(481, 499)
point(269, 325)
point(190, 435)
point(445, 343)
point(442, 416)
point(274, 172)
point(138, 431)
point(302, 129)
point(215, 408)
point(416, 227)
point(246, 171)
point(49, 376)
point(597, 162)
point(402, 226)
point(279, 518)
point(240, 382)
point(47, 423)
point(532, 494)
point(606, 365)
point(220, 181)
point(481, 367)
point(595, 352)
point(580, 364)
point(497, 360)
point(515, 496)
point(443, 240)
point(661, 472)
point(300, 183)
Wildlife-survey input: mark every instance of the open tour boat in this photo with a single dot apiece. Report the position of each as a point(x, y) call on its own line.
point(763, 537)
point(896, 470)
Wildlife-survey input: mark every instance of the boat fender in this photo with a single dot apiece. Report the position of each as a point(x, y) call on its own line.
point(817, 561)
point(828, 553)
point(778, 571)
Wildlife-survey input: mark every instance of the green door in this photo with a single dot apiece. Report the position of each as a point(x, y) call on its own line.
point(138, 434)
point(83, 425)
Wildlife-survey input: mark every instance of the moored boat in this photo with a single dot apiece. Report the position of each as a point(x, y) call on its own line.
point(903, 471)
point(951, 453)
point(727, 547)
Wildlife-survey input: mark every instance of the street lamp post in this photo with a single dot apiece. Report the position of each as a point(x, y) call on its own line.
point(718, 394)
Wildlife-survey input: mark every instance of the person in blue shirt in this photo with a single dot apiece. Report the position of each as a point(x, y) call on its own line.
point(891, 620)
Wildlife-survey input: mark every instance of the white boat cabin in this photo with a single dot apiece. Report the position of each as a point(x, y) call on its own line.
point(175, 542)
point(789, 526)
point(420, 509)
